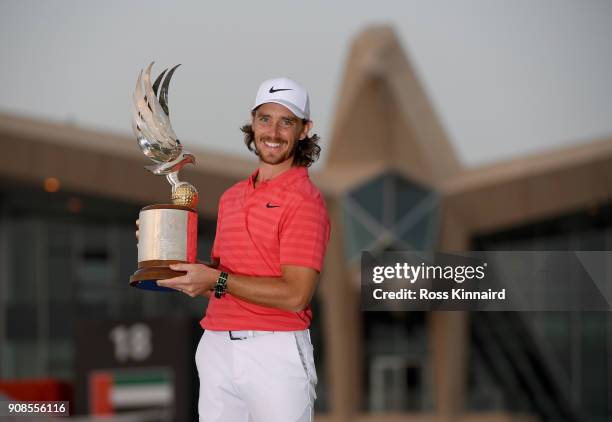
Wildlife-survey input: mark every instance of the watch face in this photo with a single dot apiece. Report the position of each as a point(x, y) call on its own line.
point(221, 285)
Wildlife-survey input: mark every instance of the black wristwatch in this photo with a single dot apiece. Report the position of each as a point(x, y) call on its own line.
point(221, 285)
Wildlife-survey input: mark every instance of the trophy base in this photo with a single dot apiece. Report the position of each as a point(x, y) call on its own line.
point(147, 275)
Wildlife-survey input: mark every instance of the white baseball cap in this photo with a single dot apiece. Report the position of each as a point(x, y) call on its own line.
point(286, 92)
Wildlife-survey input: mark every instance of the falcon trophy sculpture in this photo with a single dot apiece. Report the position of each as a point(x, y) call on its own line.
point(167, 232)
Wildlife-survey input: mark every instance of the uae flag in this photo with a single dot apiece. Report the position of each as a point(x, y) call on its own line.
point(112, 391)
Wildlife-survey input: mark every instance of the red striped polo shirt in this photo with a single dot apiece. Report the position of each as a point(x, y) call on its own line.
point(282, 221)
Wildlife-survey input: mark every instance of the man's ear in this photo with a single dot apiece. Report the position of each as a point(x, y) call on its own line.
point(305, 130)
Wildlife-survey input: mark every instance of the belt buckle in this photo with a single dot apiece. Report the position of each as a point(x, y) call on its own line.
point(231, 335)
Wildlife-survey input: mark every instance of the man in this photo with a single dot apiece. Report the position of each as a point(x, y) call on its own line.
point(255, 360)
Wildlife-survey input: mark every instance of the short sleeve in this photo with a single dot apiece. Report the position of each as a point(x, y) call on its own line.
point(304, 234)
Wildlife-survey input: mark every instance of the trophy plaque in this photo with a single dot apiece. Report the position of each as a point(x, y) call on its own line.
point(167, 232)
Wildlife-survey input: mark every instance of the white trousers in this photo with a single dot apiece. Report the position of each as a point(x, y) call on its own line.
point(265, 378)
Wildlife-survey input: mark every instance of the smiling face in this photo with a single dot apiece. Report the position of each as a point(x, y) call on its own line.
point(277, 131)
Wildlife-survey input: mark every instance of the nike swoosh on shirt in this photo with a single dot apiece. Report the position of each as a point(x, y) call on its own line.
point(269, 205)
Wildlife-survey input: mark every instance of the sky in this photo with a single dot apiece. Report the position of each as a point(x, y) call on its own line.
point(506, 78)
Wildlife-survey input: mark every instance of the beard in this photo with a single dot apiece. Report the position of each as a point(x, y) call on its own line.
point(270, 158)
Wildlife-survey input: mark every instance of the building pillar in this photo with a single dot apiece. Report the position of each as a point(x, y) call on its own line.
point(449, 335)
point(341, 325)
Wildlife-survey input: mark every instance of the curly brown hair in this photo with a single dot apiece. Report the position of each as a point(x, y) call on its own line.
point(306, 150)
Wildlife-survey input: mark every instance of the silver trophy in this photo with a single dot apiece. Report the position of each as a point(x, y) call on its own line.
point(168, 232)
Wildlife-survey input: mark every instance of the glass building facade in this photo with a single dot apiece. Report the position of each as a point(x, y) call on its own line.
point(569, 351)
point(551, 364)
point(67, 257)
point(390, 212)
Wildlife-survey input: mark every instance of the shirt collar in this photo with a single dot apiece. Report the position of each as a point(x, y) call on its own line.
point(282, 179)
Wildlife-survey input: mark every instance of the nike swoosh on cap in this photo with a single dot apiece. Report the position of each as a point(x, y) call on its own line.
point(272, 90)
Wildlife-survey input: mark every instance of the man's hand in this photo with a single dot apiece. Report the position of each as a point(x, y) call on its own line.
point(199, 279)
point(137, 228)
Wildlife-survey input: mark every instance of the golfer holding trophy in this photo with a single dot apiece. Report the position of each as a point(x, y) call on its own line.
point(255, 358)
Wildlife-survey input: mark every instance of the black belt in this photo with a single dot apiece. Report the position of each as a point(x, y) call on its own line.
point(245, 334)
